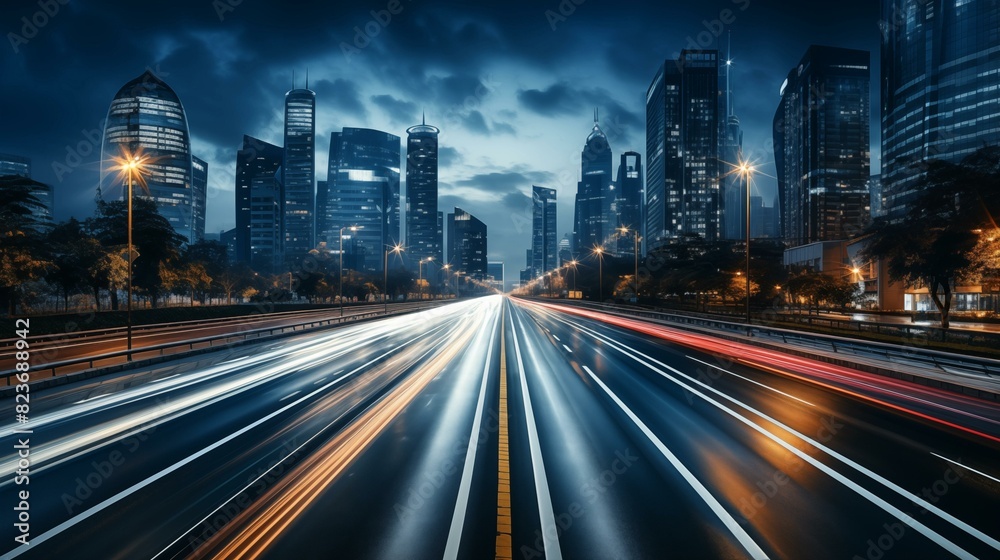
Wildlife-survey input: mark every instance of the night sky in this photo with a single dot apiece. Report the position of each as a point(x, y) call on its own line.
point(514, 97)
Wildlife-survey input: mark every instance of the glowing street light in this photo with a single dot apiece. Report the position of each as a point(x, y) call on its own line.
point(397, 249)
point(746, 170)
point(635, 278)
point(131, 165)
point(341, 279)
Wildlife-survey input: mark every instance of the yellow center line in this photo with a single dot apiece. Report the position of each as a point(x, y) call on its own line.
point(504, 546)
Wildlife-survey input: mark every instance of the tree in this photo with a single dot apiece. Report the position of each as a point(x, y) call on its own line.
point(154, 238)
point(23, 258)
point(932, 245)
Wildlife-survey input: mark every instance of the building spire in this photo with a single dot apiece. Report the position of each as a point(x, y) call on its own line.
point(307, 77)
point(595, 115)
point(293, 78)
point(423, 117)
point(729, 65)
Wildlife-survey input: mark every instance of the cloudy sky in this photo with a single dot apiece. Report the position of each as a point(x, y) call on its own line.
point(511, 84)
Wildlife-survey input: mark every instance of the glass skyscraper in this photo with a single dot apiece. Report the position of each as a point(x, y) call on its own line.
point(628, 188)
point(543, 230)
point(467, 244)
point(299, 173)
point(594, 195)
point(363, 190)
point(423, 225)
point(821, 145)
point(147, 116)
point(683, 110)
point(259, 205)
point(21, 166)
point(940, 83)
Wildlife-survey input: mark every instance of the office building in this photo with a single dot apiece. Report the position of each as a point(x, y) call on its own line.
point(299, 174)
point(593, 222)
point(684, 106)
point(146, 118)
point(21, 167)
point(423, 225)
point(940, 78)
point(362, 191)
point(630, 202)
point(543, 231)
point(258, 235)
point(821, 146)
point(467, 244)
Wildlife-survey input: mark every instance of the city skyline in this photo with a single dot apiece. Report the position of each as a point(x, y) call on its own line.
point(512, 105)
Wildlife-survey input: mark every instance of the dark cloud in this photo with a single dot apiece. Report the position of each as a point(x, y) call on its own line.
point(342, 95)
point(401, 112)
point(448, 156)
point(505, 181)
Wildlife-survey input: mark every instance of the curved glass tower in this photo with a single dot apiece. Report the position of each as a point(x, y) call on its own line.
point(299, 172)
point(422, 237)
point(940, 75)
point(593, 221)
point(147, 116)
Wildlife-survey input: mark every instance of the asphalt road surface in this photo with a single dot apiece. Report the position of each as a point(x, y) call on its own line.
point(498, 428)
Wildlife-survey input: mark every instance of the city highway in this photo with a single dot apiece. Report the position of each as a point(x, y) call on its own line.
point(510, 429)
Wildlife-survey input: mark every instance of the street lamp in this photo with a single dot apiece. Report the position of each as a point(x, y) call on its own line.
point(397, 249)
point(573, 264)
point(132, 165)
point(599, 251)
point(420, 275)
point(745, 170)
point(341, 278)
point(635, 278)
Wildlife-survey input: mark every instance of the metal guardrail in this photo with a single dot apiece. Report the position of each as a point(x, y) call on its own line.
point(121, 356)
point(248, 318)
point(944, 361)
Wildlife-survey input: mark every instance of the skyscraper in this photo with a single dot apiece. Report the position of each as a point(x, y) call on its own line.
point(630, 201)
point(299, 173)
point(683, 111)
point(21, 166)
point(494, 269)
point(363, 190)
point(733, 185)
point(940, 76)
point(467, 244)
point(147, 116)
point(199, 188)
point(543, 230)
point(259, 204)
point(423, 239)
point(821, 145)
point(594, 195)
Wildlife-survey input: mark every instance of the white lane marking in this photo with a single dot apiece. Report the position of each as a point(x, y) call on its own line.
point(567, 349)
point(550, 531)
point(465, 486)
point(165, 378)
point(320, 380)
point(556, 337)
point(889, 508)
point(88, 399)
point(980, 473)
point(751, 381)
point(288, 396)
point(727, 519)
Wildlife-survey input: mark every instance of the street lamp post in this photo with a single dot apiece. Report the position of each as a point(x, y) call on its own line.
point(573, 264)
point(599, 251)
point(745, 170)
point(420, 275)
point(131, 164)
point(635, 277)
point(341, 277)
point(385, 276)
